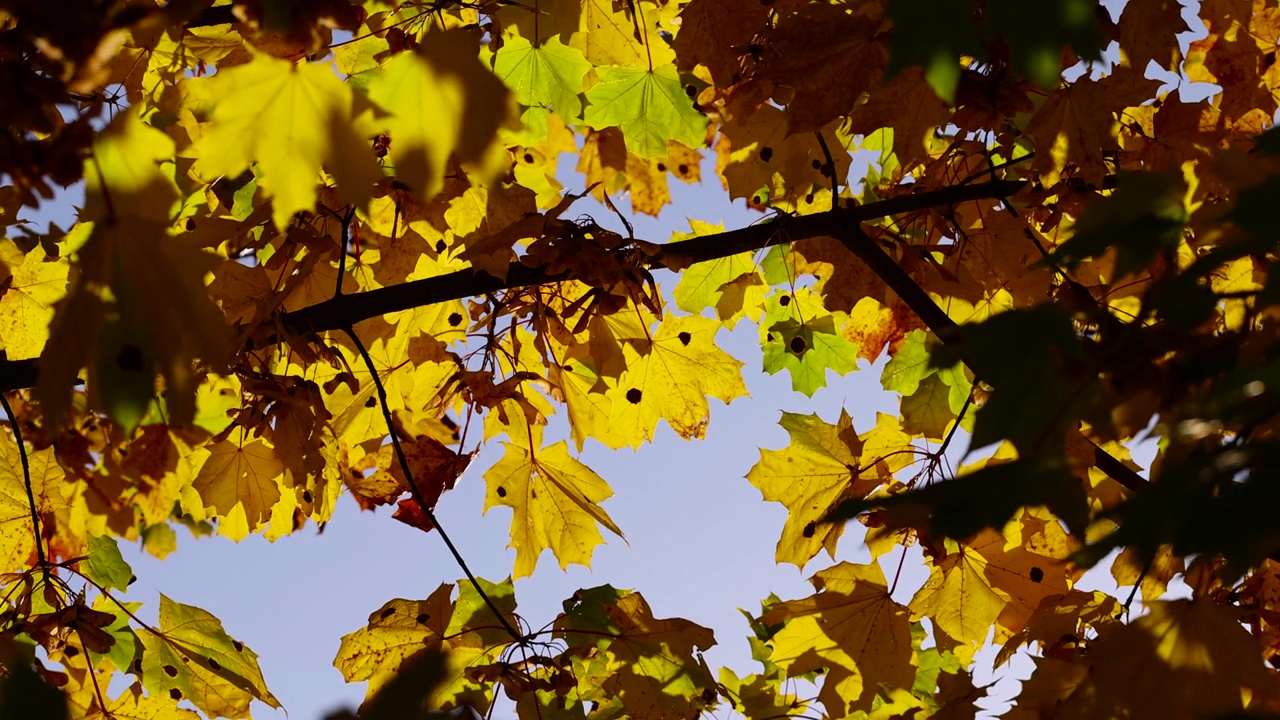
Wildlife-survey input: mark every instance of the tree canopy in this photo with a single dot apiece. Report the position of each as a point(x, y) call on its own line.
point(325, 249)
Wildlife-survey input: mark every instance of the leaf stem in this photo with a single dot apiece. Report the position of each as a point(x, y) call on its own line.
point(416, 492)
point(26, 481)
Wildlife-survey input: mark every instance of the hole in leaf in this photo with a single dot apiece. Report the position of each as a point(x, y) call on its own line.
point(797, 345)
point(214, 664)
point(809, 530)
point(502, 492)
point(129, 359)
point(440, 246)
point(766, 153)
point(455, 319)
point(1036, 574)
point(633, 396)
point(423, 618)
point(383, 616)
point(170, 670)
point(175, 693)
point(685, 338)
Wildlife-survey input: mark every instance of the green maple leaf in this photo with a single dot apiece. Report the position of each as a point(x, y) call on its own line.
point(909, 366)
point(190, 657)
point(649, 106)
point(801, 337)
point(927, 411)
point(549, 75)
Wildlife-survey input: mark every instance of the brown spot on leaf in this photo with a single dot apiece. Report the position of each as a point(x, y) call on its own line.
point(383, 616)
point(371, 401)
point(239, 646)
point(455, 319)
point(71, 651)
point(785, 300)
point(685, 337)
point(170, 670)
point(306, 496)
point(502, 492)
point(662, 167)
point(634, 395)
point(1036, 574)
point(175, 693)
point(440, 246)
point(423, 618)
point(798, 345)
point(528, 157)
point(683, 169)
point(809, 530)
point(766, 152)
point(816, 163)
point(214, 664)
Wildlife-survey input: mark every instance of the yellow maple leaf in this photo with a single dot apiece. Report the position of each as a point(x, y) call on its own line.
point(17, 537)
point(851, 626)
point(442, 101)
point(396, 631)
point(555, 502)
point(1183, 659)
point(815, 472)
point(240, 481)
point(26, 307)
point(959, 598)
point(672, 381)
point(293, 120)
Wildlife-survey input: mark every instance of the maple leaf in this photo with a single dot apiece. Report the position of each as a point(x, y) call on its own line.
point(292, 120)
point(415, 87)
point(820, 468)
point(547, 75)
point(672, 381)
point(800, 336)
point(396, 632)
point(17, 536)
point(851, 626)
point(648, 663)
point(188, 656)
point(240, 481)
point(31, 289)
point(1184, 658)
point(649, 106)
point(609, 34)
point(555, 502)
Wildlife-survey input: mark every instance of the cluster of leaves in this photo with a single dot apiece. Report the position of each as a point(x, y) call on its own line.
point(313, 226)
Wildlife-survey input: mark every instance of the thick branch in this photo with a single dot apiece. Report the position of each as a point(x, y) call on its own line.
point(347, 310)
point(865, 248)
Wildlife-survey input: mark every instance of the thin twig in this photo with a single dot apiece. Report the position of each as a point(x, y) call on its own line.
point(1137, 584)
point(831, 167)
point(413, 484)
point(26, 481)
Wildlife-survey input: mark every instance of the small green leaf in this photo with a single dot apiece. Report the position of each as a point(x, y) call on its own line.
point(105, 565)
